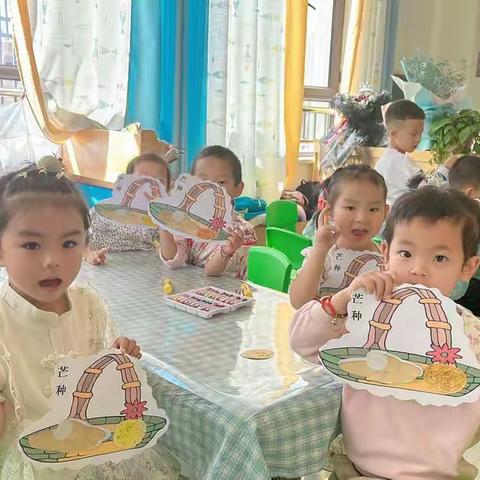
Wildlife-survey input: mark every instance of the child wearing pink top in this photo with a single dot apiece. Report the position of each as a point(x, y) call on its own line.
point(431, 238)
point(220, 165)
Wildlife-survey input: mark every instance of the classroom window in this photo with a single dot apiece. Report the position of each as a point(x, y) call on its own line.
point(323, 54)
point(10, 84)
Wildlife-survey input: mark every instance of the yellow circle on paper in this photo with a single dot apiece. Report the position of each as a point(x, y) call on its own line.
point(129, 433)
point(257, 354)
point(445, 378)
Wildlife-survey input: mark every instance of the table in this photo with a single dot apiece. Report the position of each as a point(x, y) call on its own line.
point(231, 418)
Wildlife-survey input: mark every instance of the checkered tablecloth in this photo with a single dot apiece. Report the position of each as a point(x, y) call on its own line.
point(231, 418)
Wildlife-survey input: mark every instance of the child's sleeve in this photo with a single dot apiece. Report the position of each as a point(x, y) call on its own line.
point(311, 328)
point(471, 327)
point(249, 235)
point(102, 330)
point(183, 248)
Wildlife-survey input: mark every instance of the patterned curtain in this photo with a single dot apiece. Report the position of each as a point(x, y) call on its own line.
point(245, 92)
point(73, 57)
point(81, 51)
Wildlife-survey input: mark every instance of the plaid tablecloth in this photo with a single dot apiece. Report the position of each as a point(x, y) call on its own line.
point(231, 418)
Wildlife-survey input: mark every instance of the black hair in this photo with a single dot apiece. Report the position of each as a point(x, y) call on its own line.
point(402, 110)
point(331, 186)
point(226, 155)
point(33, 185)
point(432, 205)
point(465, 171)
point(149, 157)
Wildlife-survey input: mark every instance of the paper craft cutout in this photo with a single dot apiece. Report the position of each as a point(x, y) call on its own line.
point(196, 209)
point(348, 264)
point(85, 425)
point(130, 200)
point(411, 346)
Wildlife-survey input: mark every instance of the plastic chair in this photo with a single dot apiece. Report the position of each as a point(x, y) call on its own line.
point(282, 214)
point(269, 267)
point(378, 239)
point(289, 243)
point(93, 193)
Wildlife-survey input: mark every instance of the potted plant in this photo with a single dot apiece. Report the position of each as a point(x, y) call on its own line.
point(455, 133)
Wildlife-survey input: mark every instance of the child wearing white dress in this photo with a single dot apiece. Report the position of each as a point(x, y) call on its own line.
point(220, 165)
point(106, 235)
point(43, 317)
point(354, 212)
point(404, 121)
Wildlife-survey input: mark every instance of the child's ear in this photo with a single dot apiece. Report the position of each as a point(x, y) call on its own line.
point(469, 268)
point(387, 209)
point(239, 189)
point(325, 216)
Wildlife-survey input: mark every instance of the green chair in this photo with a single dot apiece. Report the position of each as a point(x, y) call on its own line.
point(269, 268)
point(282, 214)
point(289, 243)
point(378, 239)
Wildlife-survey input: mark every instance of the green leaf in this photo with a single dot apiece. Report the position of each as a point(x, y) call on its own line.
point(464, 135)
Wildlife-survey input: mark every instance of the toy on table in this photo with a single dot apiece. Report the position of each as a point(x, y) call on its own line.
point(246, 290)
point(167, 287)
point(208, 301)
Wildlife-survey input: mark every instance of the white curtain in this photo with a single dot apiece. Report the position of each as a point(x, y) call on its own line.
point(82, 56)
point(246, 89)
point(82, 51)
point(364, 44)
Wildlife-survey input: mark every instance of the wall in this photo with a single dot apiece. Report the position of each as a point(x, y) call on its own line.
point(446, 30)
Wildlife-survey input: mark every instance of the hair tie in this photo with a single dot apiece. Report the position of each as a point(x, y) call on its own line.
point(51, 164)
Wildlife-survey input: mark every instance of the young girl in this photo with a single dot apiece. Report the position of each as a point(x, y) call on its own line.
point(107, 236)
point(354, 212)
point(431, 238)
point(220, 165)
point(43, 231)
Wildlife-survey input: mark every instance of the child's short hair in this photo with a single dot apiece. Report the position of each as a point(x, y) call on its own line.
point(35, 185)
point(402, 110)
point(432, 205)
point(148, 157)
point(465, 171)
point(331, 186)
point(225, 154)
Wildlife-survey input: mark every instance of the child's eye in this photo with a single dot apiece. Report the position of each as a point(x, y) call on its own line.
point(440, 258)
point(350, 208)
point(375, 209)
point(31, 246)
point(404, 253)
point(70, 244)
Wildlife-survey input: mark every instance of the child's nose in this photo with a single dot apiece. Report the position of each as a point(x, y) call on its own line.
point(419, 269)
point(50, 260)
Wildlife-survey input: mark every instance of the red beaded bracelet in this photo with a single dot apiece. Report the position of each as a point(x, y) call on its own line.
point(329, 309)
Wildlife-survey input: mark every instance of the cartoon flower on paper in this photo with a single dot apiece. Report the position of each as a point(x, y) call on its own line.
point(444, 354)
point(134, 410)
point(217, 223)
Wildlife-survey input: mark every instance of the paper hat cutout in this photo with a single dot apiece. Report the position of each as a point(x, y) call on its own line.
point(196, 209)
point(346, 266)
point(411, 346)
point(84, 439)
point(130, 199)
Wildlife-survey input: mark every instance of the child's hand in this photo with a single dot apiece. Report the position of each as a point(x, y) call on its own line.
point(379, 283)
point(326, 236)
point(128, 346)
point(234, 242)
point(97, 257)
